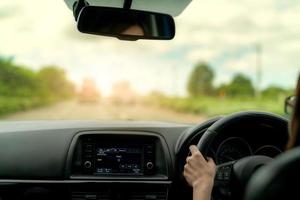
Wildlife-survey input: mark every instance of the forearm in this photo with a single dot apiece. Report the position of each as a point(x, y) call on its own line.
point(202, 192)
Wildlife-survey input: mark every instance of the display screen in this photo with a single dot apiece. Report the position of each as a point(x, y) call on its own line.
point(119, 160)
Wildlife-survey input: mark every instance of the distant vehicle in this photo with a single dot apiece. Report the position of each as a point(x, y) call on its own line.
point(89, 92)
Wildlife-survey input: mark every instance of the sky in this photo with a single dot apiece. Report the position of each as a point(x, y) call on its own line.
point(223, 33)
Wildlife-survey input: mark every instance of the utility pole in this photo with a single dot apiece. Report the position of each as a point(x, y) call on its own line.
point(175, 80)
point(258, 70)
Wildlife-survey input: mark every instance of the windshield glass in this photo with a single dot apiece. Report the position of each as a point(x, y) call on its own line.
point(226, 56)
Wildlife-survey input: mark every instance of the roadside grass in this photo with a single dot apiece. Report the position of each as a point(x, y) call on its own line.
point(204, 106)
point(213, 106)
point(10, 105)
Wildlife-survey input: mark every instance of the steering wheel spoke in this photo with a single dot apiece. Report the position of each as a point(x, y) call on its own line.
point(223, 178)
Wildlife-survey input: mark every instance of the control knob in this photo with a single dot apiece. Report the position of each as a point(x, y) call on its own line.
point(87, 164)
point(149, 165)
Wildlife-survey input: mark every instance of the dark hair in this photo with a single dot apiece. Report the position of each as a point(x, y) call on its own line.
point(294, 139)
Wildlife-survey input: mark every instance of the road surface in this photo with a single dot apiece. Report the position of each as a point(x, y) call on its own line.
point(74, 110)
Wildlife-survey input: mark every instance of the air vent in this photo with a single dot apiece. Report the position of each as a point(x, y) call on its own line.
point(148, 196)
point(90, 196)
point(131, 196)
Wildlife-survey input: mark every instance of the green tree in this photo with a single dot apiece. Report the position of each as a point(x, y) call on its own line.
point(201, 80)
point(16, 80)
point(240, 86)
point(274, 92)
point(22, 88)
point(55, 83)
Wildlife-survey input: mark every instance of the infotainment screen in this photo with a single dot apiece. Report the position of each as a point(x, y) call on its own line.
point(119, 160)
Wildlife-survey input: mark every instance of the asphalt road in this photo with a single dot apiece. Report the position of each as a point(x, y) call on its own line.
point(74, 110)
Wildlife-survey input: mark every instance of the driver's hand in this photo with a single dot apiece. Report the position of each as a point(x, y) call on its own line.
point(198, 172)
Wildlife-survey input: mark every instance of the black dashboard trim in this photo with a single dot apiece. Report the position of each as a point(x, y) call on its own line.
point(38, 150)
point(12, 181)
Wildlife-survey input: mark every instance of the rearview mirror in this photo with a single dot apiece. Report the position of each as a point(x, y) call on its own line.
point(289, 105)
point(125, 24)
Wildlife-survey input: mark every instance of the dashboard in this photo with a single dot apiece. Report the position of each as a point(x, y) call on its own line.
point(80, 160)
point(87, 160)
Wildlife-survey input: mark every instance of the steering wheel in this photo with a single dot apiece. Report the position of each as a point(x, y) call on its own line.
point(278, 180)
point(232, 177)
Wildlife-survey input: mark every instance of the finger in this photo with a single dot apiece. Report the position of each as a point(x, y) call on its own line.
point(188, 168)
point(195, 152)
point(194, 149)
point(188, 159)
point(211, 162)
point(193, 162)
point(187, 173)
point(189, 179)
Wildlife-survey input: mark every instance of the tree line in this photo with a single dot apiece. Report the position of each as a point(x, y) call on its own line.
point(201, 80)
point(22, 88)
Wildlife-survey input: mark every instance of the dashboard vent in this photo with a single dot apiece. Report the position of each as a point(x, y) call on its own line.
point(148, 196)
point(139, 195)
point(90, 196)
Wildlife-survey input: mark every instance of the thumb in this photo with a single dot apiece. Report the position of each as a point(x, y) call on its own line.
point(194, 149)
point(211, 162)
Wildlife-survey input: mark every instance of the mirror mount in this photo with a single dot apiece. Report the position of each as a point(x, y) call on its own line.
point(78, 6)
point(127, 4)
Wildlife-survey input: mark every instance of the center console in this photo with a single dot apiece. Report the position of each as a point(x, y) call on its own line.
point(122, 155)
point(120, 165)
point(117, 157)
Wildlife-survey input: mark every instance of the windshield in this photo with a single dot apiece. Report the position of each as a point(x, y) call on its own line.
point(227, 56)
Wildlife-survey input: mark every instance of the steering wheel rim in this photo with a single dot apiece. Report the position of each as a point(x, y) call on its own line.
point(276, 180)
point(224, 186)
point(216, 128)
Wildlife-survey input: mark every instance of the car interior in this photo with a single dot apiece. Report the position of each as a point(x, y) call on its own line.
point(143, 159)
point(90, 160)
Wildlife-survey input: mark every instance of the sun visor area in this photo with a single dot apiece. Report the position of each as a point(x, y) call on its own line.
point(172, 7)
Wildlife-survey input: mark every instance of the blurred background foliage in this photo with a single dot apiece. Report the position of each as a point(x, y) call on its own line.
point(237, 95)
point(22, 88)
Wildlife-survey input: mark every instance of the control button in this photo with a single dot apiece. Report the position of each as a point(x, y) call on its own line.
point(88, 155)
point(149, 147)
point(149, 151)
point(87, 164)
point(89, 147)
point(219, 176)
point(88, 150)
point(151, 197)
point(91, 196)
point(149, 165)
